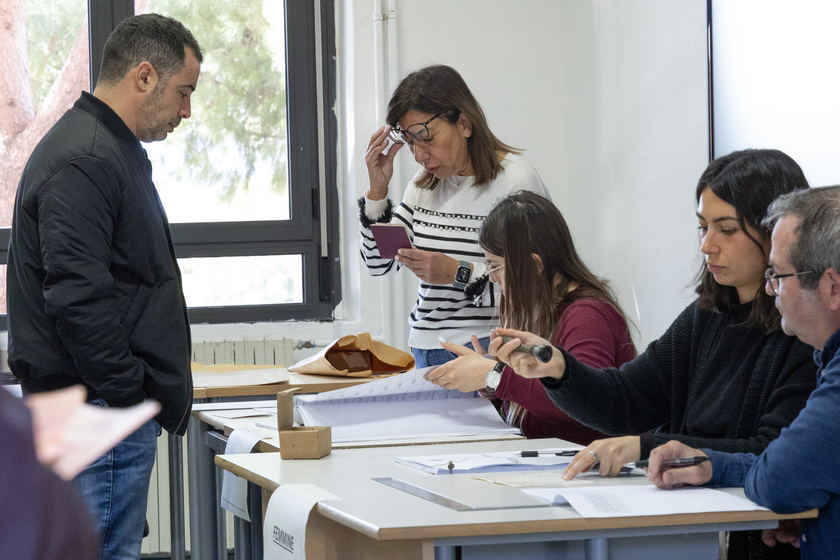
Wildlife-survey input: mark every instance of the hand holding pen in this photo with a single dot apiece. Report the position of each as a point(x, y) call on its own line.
point(523, 351)
point(543, 352)
point(694, 467)
point(680, 463)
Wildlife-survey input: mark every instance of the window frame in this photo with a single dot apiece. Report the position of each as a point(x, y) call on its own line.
point(313, 228)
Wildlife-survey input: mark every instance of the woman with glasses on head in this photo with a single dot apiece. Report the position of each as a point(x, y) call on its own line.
point(723, 376)
point(545, 288)
point(464, 171)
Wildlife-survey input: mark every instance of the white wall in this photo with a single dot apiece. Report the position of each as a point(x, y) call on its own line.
point(608, 98)
point(776, 81)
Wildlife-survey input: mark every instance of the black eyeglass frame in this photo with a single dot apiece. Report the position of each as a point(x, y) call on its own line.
point(772, 279)
point(398, 135)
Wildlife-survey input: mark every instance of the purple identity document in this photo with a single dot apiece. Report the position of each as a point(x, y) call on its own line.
point(390, 238)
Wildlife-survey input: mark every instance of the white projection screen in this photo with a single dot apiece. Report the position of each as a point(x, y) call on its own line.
point(776, 81)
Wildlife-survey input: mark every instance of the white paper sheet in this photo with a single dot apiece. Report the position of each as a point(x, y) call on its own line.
point(284, 529)
point(234, 488)
point(231, 405)
point(482, 462)
point(388, 420)
point(240, 413)
point(403, 406)
point(638, 500)
point(538, 479)
point(409, 386)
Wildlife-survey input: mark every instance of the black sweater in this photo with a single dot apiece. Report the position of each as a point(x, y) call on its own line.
point(772, 376)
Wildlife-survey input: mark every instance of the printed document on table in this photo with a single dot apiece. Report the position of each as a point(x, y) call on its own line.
point(402, 406)
point(409, 386)
point(639, 500)
point(482, 462)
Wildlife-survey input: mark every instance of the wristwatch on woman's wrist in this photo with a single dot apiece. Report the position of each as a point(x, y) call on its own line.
point(494, 377)
point(462, 275)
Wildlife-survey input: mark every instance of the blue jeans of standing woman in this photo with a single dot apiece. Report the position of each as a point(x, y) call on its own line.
point(115, 489)
point(436, 356)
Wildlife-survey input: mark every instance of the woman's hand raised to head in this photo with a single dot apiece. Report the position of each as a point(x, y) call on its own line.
point(379, 160)
point(522, 363)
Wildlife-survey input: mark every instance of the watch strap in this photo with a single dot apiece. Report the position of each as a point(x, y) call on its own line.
point(493, 378)
point(462, 275)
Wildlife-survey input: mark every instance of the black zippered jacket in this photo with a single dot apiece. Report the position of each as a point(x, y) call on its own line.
point(93, 288)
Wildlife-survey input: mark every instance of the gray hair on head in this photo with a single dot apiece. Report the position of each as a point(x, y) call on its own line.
point(817, 244)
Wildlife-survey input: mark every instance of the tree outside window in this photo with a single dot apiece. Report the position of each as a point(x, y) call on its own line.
point(226, 164)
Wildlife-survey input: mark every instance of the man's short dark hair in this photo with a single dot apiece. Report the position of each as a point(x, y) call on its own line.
point(160, 40)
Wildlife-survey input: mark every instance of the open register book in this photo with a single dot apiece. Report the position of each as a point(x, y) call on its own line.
point(402, 406)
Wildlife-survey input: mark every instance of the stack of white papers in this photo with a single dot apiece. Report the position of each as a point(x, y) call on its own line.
point(638, 500)
point(402, 406)
point(458, 463)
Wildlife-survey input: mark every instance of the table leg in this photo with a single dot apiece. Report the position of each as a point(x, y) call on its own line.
point(597, 549)
point(248, 543)
point(220, 513)
point(446, 552)
point(256, 526)
point(176, 497)
point(204, 499)
point(242, 539)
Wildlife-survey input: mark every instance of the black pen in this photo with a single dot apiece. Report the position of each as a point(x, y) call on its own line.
point(535, 453)
point(673, 463)
point(542, 353)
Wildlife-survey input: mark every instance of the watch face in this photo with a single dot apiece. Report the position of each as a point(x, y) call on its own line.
point(492, 379)
point(494, 376)
point(463, 274)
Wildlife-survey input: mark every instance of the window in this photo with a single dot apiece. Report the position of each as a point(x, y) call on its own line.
point(249, 183)
point(32, 56)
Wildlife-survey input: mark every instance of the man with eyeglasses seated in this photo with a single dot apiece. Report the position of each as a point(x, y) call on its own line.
point(798, 470)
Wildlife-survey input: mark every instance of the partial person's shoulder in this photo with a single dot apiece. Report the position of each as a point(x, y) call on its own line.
point(593, 310)
point(73, 135)
point(517, 167)
point(694, 313)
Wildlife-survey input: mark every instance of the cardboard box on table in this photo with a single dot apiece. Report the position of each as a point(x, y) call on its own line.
point(299, 442)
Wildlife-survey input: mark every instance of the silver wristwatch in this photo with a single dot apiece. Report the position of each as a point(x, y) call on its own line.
point(494, 377)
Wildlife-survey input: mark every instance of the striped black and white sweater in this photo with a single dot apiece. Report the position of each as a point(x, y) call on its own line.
point(447, 220)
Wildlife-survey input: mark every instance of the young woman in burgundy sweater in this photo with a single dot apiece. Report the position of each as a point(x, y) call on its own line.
point(545, 288)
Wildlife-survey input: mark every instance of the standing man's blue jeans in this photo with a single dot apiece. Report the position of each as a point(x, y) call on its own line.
point(116, 488)
point(436, 356)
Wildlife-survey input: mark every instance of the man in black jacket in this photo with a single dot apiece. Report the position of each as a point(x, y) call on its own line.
point(93, 289)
